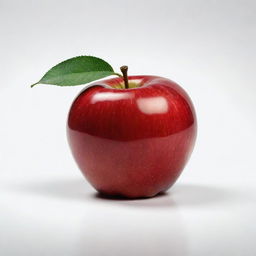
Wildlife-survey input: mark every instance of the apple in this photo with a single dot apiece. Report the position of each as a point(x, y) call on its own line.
point(131, 136)
point(132, 142)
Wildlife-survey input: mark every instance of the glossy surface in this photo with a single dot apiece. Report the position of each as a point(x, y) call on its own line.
point(133, 142)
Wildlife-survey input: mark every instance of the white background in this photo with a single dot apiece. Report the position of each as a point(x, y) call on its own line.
point(47, 208)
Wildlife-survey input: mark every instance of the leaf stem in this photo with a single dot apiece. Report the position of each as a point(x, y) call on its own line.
point(118, 74)
point(124, 70)
point(33, 85)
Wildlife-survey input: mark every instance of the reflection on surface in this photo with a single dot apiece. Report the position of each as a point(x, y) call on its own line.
point(67, 217)
point(153, 105)
point(137, 232)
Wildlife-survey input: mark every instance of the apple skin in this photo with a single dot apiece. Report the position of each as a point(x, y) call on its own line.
point(132, 142)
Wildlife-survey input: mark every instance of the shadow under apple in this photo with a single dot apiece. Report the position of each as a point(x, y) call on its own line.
point(80, 190)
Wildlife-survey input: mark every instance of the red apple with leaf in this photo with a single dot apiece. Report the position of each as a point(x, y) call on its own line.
point(131, 136)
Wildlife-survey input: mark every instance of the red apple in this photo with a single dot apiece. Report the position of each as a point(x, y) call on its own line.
point(132, 142)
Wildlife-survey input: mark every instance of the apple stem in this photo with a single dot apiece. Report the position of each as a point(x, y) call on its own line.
point(124, 70)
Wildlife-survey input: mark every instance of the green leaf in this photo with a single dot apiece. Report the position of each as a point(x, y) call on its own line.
point(76, 71)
